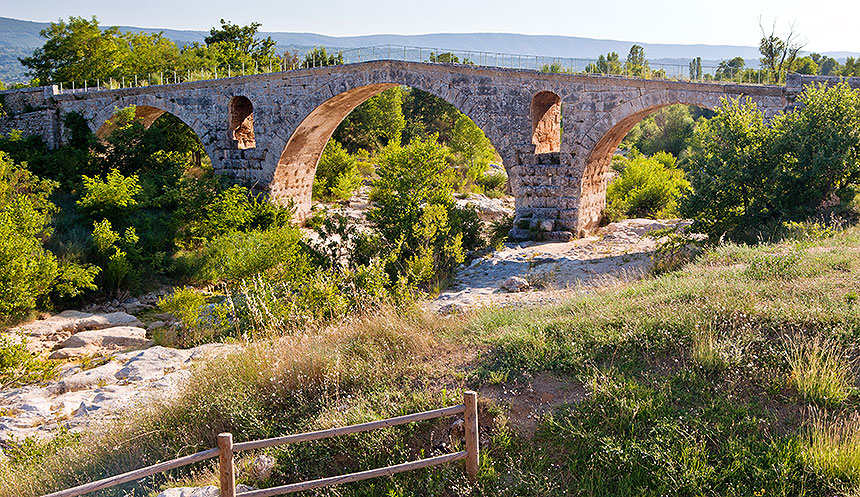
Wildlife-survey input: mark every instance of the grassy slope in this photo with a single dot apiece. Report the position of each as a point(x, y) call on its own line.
point(689, 390)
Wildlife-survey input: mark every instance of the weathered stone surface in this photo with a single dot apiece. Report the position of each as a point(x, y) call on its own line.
point(101, 341)
point(152, 363)
point(75, 321)
point(514, 284)
point(208, 491)
point(278, 124)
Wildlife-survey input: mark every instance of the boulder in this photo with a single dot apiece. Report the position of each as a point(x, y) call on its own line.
point(151, 364)
point(514, 284)
point(102, 340)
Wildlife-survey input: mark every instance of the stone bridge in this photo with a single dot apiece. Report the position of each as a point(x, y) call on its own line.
point(270, 129)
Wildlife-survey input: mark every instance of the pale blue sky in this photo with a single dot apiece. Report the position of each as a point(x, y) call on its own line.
point(828, 25)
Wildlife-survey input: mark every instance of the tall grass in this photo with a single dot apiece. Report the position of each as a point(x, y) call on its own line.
point(832, 447)
point(820, 369)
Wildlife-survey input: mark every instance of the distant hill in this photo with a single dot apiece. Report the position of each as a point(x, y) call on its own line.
point(19, 38)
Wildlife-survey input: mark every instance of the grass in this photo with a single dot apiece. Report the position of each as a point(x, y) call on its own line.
point(832, 447)
point(820, 369)
point(690, 387)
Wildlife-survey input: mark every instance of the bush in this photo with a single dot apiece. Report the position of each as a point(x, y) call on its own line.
point(29, 273)
point(236, 256)
point(18, 366)
point(647, 187)
point(748, 177)
point(337, 174)
point(109, 198)
point(415, 211)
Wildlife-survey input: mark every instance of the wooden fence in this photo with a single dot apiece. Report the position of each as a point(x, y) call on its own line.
point(226, 450)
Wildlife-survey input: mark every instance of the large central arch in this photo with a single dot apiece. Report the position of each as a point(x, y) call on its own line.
point(294, 174)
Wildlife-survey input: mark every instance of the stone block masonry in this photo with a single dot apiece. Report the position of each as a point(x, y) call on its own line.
point(556, 133)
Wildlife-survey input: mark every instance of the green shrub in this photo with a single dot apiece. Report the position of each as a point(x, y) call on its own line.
point(415, 211)
point(18, 366)
point(493, 182)
point(235, 256)
point(29, 273)
point(187, 305)
point(337, 174)
point(119, 255)
point(647, 187)
point(109, 198)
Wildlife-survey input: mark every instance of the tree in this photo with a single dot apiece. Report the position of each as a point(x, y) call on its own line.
point(76, 50)
point(777, 55)
point(668, 130)
point(472, 147)
point(696, 69)
point(426, 115)
point(375, 123)
point(30, 274)
point(337, 174)
point(636, 65)
point(238, 44)
point(748, 176)
point(611, 64)
point(647, 187)
point(318, 57)
point(730, 69)
point(805, 65)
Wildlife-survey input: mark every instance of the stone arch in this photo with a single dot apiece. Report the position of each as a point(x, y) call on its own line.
point(241, 125)
point(294, 173)
point(149, 108)
point(608, 134)
point(545, 113)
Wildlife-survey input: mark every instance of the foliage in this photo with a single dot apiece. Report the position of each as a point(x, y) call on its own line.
point(647, 187)
point(747, 176)
point(111, 197)
point(118, 255)
point(670, 129)
point(610, 64)
point(472, 148)
point(29, 273)
point(375, 123)
point(81, 50)
point(415, 211)
point(337, 174)
point(779, 56)
point(19, 366)
point(239, 44)
point(319, 57)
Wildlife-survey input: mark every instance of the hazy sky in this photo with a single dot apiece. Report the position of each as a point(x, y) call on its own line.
point(827, 25)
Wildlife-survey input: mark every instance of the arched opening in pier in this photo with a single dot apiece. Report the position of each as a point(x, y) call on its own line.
point(241, 125)
point(545, 112)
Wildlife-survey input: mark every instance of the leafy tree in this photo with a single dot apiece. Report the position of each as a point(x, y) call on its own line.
point(427, 115)
point(636, 65)
point(729, 167)
point(730, 69)
point(472, 147)
point(805, 65)
point(817, 148)
point(610, 64)
point(414, 211)
point(747, 176)
point(76, 50)
point(231, 44)
point(696, 68)
point(319, 57)
point(111, 197)
point(375, 123)
point(668, 130)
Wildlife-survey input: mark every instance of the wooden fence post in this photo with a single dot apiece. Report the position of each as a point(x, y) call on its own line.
point(470, 419)
point(225, 465)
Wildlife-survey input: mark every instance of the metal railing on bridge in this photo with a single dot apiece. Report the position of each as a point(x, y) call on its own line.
point(476, 58)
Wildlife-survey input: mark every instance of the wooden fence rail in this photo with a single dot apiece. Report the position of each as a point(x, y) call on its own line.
point(226, 450)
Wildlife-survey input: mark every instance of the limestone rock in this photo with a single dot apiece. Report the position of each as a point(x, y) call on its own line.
point(514, 284)
point(489, 209)
point(75, 321)
point(207, 491)
point(152, 363)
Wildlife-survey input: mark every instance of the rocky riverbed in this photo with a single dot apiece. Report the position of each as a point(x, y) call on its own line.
point(107, 361)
